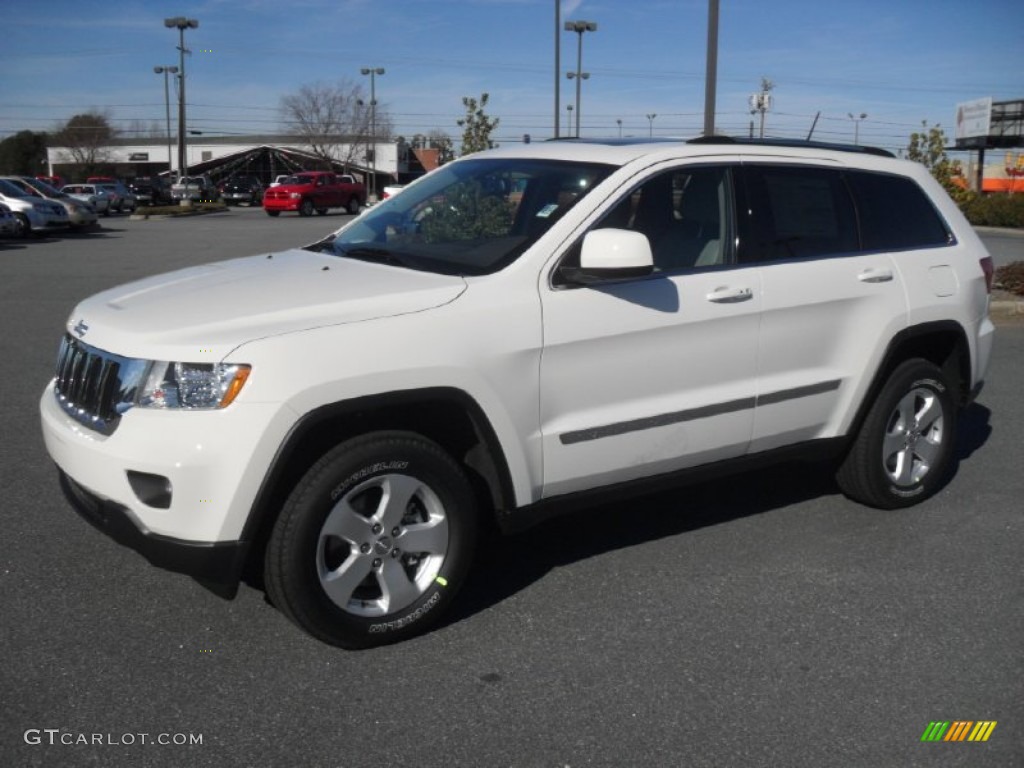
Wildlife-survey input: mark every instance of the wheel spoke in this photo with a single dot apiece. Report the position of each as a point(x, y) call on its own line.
point(340, 583)
point(398, 492)
point(931, 413)
point(903, 475)
point(893, 443)
point(397, 590)
point(347, 524)
point(927, 451)
point(430, 537)
point(907, 412)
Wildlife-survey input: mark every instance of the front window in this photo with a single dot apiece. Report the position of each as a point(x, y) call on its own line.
point(473, 217)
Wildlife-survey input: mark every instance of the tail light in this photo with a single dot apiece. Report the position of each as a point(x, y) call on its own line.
point(989, 269)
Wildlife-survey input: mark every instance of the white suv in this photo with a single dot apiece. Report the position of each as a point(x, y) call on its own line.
point(517, 328)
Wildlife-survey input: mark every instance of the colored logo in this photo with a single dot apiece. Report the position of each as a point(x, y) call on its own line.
point(958, 730)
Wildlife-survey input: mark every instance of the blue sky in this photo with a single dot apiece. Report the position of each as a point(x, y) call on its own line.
point(899, 61)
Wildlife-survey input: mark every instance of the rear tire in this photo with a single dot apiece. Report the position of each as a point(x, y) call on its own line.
point(903, 452)
point(374, 541)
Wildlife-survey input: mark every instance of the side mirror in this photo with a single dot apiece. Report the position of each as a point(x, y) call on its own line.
point(611, 254)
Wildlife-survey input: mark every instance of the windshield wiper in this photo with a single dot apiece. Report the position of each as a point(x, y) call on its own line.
point(382, 255)
point(321, 245)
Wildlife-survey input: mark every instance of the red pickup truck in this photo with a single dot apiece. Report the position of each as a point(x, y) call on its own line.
point(318, 191)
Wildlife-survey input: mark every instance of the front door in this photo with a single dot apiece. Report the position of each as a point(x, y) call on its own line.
point(654, 374)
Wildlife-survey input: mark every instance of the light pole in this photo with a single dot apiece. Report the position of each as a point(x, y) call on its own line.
point(373, 72)
point(558, 64)
point(856, 125)
point(619, 121)
point(166, 72)
point(568, 120)
point(577, 77)
point(181, 24)
point(650, 123)
point(579, 27)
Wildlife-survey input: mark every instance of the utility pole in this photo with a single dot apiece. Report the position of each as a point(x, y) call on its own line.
point(762, 102)
point(711, 69)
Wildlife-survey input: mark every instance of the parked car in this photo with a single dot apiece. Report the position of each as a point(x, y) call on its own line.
point(280, 178)
point(391, 190)
point(315, 191)
point(194, 188)
point(519, 332)
point(242, 189)
point(151, 190)
point(80, 215)
point(8, 224)
point(54, 181)
point(123, 200)
point(34, 214)
point(95, 196)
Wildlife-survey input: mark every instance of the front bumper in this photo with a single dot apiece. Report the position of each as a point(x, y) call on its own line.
point(216, 565)
point(208, 466)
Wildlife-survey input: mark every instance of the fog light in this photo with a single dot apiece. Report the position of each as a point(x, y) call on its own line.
point(152, 490)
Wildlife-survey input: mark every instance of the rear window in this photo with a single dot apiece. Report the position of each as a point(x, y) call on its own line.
point(895, 213)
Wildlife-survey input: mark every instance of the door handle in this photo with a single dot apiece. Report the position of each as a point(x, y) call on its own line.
point(727, 295)
point(872, 275)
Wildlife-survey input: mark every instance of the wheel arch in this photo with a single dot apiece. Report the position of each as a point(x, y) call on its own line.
point(943, 343)
point(448, 416)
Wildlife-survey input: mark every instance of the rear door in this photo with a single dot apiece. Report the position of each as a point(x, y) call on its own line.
point(828, 306)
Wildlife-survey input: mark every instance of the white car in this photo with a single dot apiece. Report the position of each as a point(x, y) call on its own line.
point(521, 328)
point(34, 215)
point(91, 194)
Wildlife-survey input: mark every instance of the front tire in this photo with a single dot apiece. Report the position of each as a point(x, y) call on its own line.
point(374, 541)
point(306, 208)
point(903, 452)
point(353, 205)
point(273, 213)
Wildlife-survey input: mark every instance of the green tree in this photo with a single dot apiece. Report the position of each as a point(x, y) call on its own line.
point(928, 147)
point(23, 154)
point(476, 125)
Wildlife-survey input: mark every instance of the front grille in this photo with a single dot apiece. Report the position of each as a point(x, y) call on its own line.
point(93, 386)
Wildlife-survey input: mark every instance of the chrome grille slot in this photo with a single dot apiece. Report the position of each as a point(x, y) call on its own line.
point(93, 386)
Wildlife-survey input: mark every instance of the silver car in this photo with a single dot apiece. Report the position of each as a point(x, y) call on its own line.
point(80, 214)
point(34, 215)
point(124, 198)
point(8, 224)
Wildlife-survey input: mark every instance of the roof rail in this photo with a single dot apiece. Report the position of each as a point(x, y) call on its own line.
point(792, 143)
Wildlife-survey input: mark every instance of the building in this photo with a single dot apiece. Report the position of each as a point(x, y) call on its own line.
point(264, 157)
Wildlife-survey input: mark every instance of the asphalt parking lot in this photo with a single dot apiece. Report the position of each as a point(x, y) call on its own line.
point(767, 622)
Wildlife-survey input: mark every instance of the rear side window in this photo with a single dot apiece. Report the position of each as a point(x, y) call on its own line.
point(799, 212)
point(895, 213)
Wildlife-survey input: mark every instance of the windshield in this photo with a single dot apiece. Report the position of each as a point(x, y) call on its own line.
point(12, 190)
point(43, 188)
point(472, 217)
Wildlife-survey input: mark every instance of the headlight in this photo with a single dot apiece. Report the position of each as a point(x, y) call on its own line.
point(192, 385)
point(295, 195)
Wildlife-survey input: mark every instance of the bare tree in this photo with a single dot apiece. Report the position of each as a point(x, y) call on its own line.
point(333, 120)
point(85, 139)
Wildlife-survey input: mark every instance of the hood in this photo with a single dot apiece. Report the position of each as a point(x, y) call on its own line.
point(216, 307)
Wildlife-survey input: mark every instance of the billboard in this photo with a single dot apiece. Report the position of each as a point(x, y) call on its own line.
point(973, 119)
